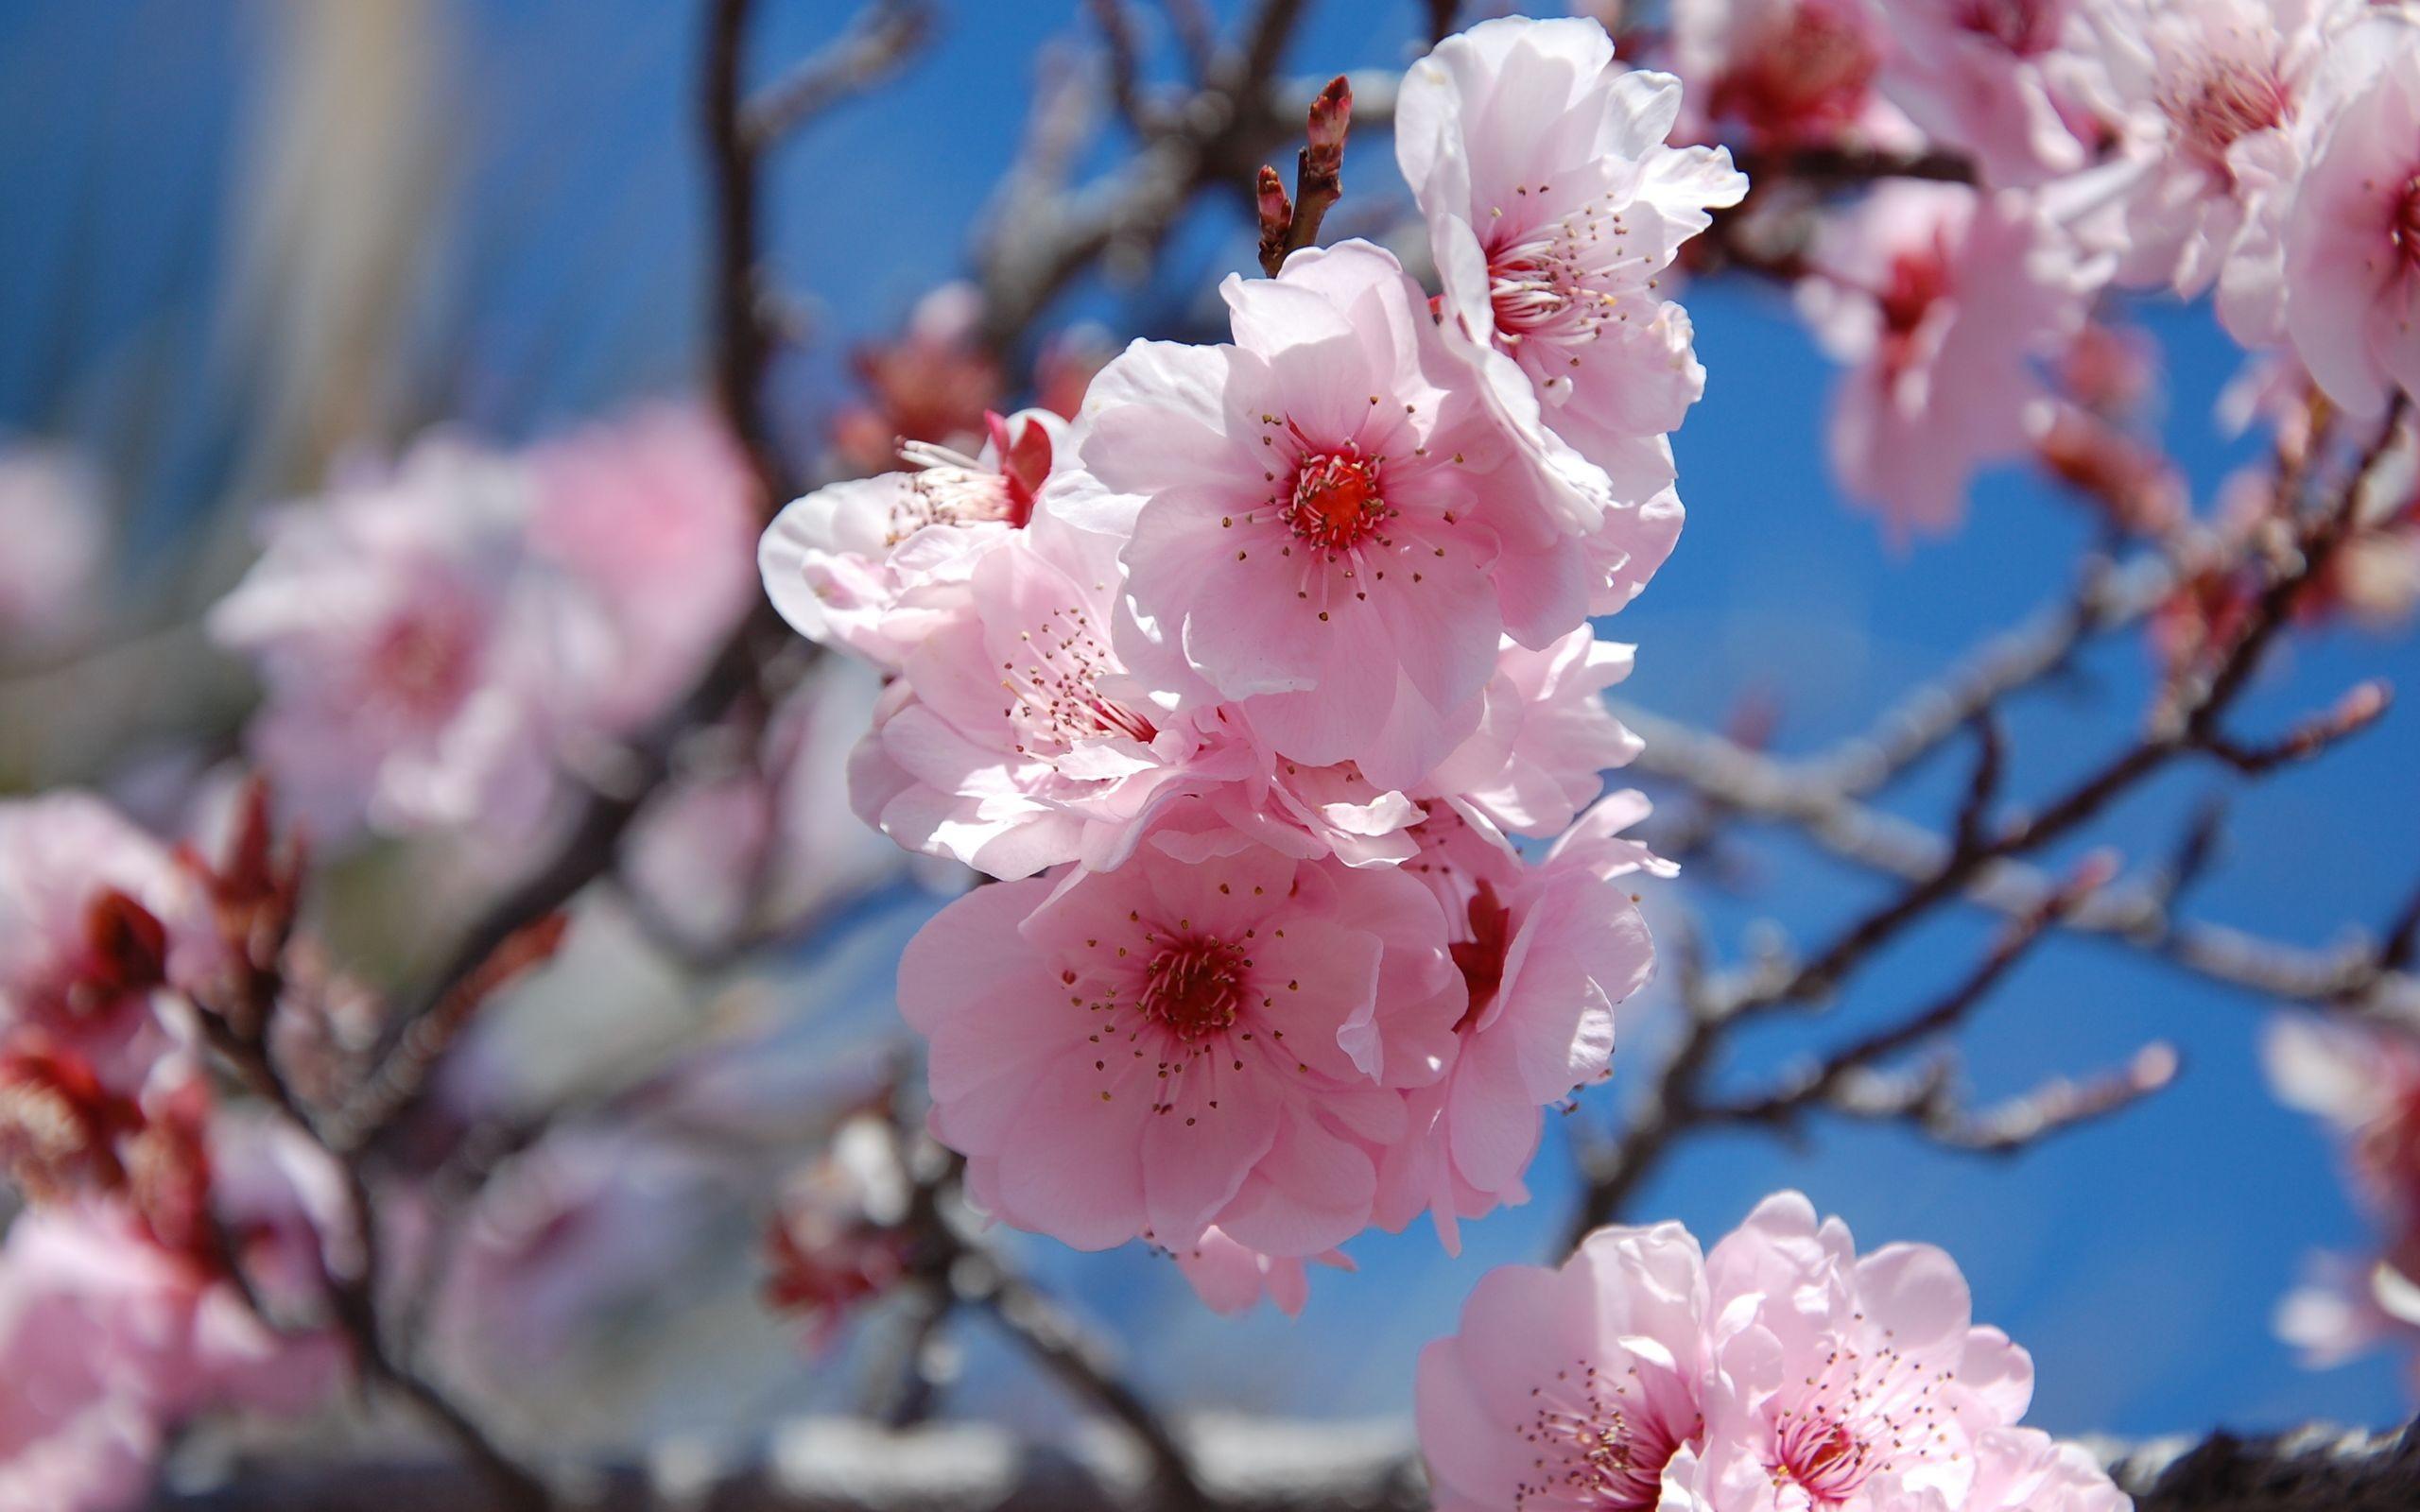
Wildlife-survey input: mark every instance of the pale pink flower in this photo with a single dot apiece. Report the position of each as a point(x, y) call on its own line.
point(111, 1341)
point(2352, 231)
point(2364, 1081)
point(2024, 1470)
point(1211, 1038)
point(52, 518)
point(1323, 521)
point(2348, 1307)
point(1539, 756)
point(406, 683)
point(96, 918)
point(1232, 1277)
point(2203, 99)
point(1983, 77)
point(1581, 1389)
point(1783, 73)
point(1016, 738)
point(1545, 952)
point(1555, 208)
point(874, 564)
point(1845, 1383)
point(654, 515)
point(1944, 299)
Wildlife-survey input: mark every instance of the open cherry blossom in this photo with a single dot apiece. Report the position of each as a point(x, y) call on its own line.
point(407, 686)
point(1844, 1381)
point(1783, 73)
point(2352, 233)
point(1985, 77)
point(1546, 951)
point(1944, 298)
point(1322, 519)
point(1581, 1389)
point(1213, 1038)
point(1555, 209)
point(2206, 100)
point(873, 564)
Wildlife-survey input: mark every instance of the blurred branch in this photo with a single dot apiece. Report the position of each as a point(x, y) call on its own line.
point(1249, 1465)
point(2186, 720)
point(885, 36)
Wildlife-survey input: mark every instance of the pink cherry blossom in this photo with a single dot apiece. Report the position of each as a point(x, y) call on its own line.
point(96, 917)
point(1983, 77)
point(118, 1340)
point(2352, 231)
point(1016, 738)
point(1944, 299)
point(51, 517)
point(1783, 73)
point(2024, 1470)
point(1580, 1389)
point(655, 515)
point(2203, 99)
point(875, 564)
point(1323, 521)
point(1213, 1038)
point(407, 685)
point(1546, 951)
point(1540, 755)
point(1845, 1381)
point(2366, 1082)
point(1555, 206)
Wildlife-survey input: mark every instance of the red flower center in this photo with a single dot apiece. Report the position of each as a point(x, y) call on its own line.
point(1335, 503)
point(1194, 987)
point(1481, 957)
point(2024, 28)
point(2406, 229)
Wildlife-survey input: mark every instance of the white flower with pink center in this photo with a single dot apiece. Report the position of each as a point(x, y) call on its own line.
point(1983, 77)
point(1323, 524)
point(1572, 1390)
point(1217, 1040)
point(1945, 300)
point(2352, 230)
point(1545, 952)
point(1846, 1382)
point(1555, 208)
point(874, 564)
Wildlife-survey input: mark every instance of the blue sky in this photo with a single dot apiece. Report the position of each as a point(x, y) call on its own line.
point(2139, 1260)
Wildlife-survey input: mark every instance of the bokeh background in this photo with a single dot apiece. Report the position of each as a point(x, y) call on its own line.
point(242, 239)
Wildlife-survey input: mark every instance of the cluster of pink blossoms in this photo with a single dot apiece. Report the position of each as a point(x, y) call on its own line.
point(1780, 1372)
point(119, 1314)
point(1243, 681)
point(443, 639)
point(2266, 152)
